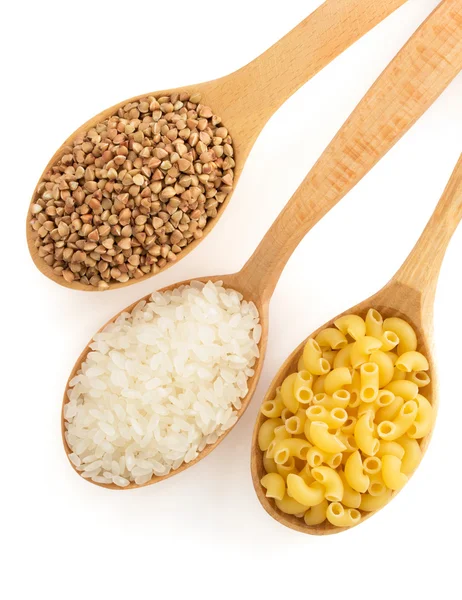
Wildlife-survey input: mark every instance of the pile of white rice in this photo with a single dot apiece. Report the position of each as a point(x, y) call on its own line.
point(161, 383)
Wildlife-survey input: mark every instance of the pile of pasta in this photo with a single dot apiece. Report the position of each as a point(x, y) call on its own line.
point(342, 434)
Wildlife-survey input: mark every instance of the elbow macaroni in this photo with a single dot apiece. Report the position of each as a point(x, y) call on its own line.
point(337, 379)
point(342, 434)
point(404, 332)
point(275, 485)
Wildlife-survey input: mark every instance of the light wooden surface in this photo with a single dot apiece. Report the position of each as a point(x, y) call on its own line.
point(408, 295)
point(247, 98)
point(412, 81)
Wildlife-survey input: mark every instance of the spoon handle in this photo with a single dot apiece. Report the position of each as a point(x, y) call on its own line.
point(269, 80)
point(413, 80)
point(421, 268)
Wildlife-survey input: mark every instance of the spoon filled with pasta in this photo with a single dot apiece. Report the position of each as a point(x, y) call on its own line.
point(127, 424)
point(350, 413)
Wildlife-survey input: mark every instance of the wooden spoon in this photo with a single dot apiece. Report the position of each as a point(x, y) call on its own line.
point(407, 87)
point(247, 98)
point(409, 295)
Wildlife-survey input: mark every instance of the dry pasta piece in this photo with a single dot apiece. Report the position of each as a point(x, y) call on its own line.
point(371, 503)
point(412, 454)
point(313, 360)
point(393, 478)
point(280, 433)
point(412, 361)
point(331, 338)
point(322, 438)
point(365, 407)
point(389, 341)
point(296, 424)
point(398, 375)
point(364, 434)
point(338, 516)
point(318, 385)
point(342, 358)
point(362, 349)
point(392, 430)
point(348, 427)
point(407, 390)
point(393, 356)
point(424, 419)
point(354, 390)
point(372, 465)
point(322, 399)
point(354, 472)
point(266, 433)
point(290, 506)
point(303, 379)
point(275, 485)
point(351, 325)
point(302, 387)
point(269, 464)
point(420, 378)
point(350, 443)
point(341, 398)
point(405, 333)
point(384, 398)
point(390, 411)
point(369, 373)
point(272, 408)
point(374, 323)
point(329, 355)
point(330, 481)
point(351, 497)
point(286, 414)
point(316, 514)
point(337, 379)
point(286, 448)
point(305, 474)
point(385, 365)
point(287, 468)
point(377, 486)
point(287, 393)
point(308, 495)
point(392, 448)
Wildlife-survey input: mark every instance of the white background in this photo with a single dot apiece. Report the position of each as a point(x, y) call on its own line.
point(203, 534)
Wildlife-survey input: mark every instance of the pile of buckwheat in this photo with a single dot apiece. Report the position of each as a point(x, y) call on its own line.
point(132, 192)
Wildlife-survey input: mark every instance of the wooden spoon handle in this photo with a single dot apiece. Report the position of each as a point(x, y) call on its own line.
point(413, 80)
point(269, 80)
point(421, 268)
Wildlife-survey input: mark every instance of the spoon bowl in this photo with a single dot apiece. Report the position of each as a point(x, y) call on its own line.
point(409, 295)
point(234, 282)
point(401, 94)
point(247, 98)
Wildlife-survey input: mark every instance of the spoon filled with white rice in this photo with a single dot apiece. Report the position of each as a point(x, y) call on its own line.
point(161, 384)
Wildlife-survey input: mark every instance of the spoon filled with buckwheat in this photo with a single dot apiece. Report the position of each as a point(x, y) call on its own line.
point(136, 188)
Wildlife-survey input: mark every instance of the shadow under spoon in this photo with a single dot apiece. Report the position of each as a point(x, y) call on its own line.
point(246, 99)
point(408, 86)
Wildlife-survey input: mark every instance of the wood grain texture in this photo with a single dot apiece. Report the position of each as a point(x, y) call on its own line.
point(247, 98)
point(408, 295)
point(403, 92)
point(256, 281)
